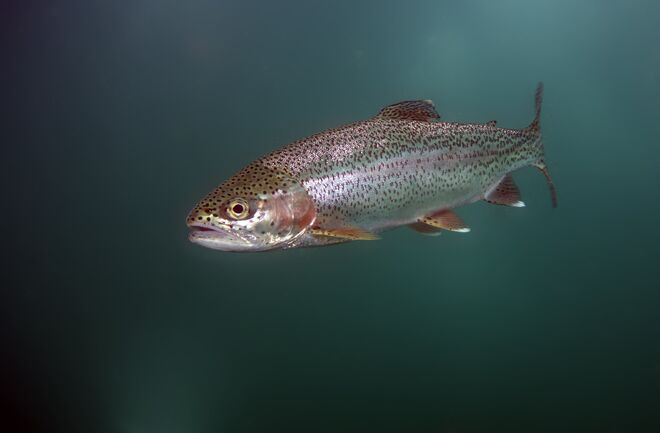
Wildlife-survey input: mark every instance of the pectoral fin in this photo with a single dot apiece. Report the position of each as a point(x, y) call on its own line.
point(348, 233)
point(446, 220)
point(505, 193)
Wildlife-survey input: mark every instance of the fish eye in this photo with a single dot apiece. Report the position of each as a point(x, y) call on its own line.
point(238, 209)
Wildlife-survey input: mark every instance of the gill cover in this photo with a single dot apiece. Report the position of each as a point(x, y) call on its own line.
point(259, 208)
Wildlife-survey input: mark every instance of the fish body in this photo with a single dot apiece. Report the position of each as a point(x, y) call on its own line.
point(402, 167)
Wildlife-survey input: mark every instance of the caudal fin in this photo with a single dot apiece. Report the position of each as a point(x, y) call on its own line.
point(551, 185)
point(538, 102)
point(536, 127)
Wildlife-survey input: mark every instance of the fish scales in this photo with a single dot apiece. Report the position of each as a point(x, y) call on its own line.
point(381, 173)
point(401, 167)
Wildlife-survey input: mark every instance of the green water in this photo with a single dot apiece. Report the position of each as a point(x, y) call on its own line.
point(117, 116)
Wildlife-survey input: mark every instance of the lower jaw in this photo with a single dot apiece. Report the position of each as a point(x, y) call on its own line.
point(217, 242)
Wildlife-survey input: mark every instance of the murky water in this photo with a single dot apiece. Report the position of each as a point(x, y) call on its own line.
point(118, 116)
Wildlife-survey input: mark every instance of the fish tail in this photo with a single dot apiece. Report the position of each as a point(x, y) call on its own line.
point(541, 165)
point(535, 127)
point(538, 102)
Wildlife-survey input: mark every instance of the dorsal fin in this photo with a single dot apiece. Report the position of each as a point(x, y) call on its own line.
point(492, 123)
point(422, 110)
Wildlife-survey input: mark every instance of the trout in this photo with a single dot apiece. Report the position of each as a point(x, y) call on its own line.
point(403, 167)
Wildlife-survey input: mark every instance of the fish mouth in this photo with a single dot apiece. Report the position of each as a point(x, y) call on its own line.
point(217, 238)
point(195, 228)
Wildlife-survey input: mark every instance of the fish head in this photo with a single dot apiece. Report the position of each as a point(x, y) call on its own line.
point(260, 208)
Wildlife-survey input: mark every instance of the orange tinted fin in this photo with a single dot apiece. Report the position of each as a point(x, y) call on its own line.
point(505, 193)
point(422, 110)
point(446, 220)
point(425, 229)
point(349, 233)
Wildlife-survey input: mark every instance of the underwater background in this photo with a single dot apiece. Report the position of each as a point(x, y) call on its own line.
point(118, 116)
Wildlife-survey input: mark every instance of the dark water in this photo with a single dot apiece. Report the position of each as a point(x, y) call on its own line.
point(119, 115)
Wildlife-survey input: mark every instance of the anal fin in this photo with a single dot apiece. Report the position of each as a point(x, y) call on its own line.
point(505, 193)
point(425, 229)
point(348, 233)
point(446, 220)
